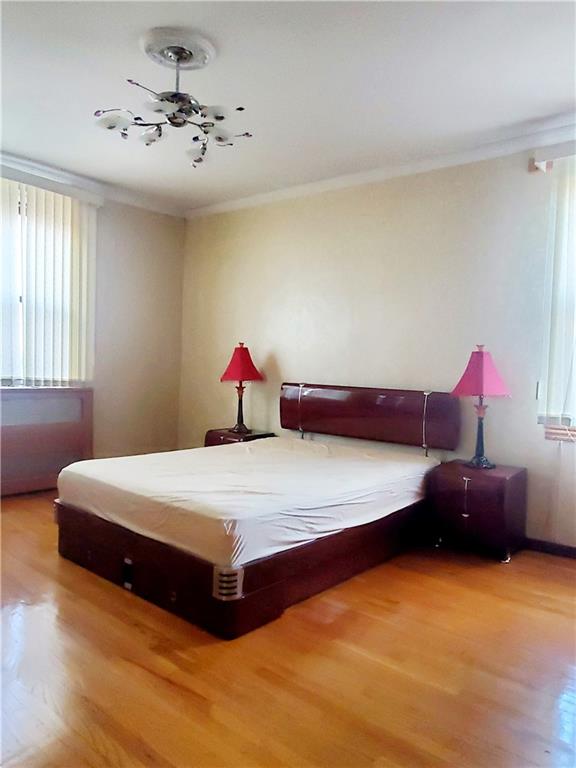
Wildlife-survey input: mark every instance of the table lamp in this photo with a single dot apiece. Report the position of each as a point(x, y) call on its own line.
point(480, 379)
point(240, 369)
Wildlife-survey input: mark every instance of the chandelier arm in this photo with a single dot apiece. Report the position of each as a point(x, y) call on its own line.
point(144, 88)
point(114, 109)
point(149, 125)
point(177, 88)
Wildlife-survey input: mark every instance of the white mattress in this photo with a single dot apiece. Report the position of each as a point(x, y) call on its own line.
point(232, 504)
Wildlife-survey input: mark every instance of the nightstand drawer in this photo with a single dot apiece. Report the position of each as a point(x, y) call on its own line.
point(471, 497)
point(469, 523)
point(456, 526)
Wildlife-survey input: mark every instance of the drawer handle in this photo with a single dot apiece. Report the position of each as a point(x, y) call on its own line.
point(466, 481)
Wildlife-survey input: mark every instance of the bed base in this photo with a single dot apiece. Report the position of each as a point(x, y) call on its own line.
point(228, 602)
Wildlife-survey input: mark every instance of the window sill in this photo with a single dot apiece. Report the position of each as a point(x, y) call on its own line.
point(42, 387)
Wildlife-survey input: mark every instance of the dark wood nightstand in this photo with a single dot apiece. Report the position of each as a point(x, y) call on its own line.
point(484, 509)
point(225, 436)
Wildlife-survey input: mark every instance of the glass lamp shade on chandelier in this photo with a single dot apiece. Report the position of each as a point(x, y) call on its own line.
point(180, 50)
point(241, 369)
point(480, 379)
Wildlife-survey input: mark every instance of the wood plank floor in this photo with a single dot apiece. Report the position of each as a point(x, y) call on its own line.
point(433, 659)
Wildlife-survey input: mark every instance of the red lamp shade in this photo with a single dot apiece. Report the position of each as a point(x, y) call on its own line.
point(241, 367)
point(481, 377)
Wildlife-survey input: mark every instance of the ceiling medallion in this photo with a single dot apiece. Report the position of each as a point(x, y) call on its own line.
point(178, 49)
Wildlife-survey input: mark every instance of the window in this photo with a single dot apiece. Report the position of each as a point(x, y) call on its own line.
point(557, 395)
point(48, 243)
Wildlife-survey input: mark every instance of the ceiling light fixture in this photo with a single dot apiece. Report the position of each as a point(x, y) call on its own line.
point(178, 49)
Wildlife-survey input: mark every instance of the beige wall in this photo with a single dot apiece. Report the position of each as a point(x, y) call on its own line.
point(391, 285)
point(138, 326)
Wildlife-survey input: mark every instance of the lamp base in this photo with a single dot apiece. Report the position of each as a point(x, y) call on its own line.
point(241, 429)
point(480, 462)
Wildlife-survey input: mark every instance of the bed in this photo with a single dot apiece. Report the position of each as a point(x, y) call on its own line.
point(229, 536)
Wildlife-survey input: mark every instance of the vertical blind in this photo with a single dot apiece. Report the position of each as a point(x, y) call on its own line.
point(557, 394)
point(48, 250)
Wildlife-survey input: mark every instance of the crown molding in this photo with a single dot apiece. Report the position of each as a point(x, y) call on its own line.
point(555, 152)
point(30, 171)
point(553, 135)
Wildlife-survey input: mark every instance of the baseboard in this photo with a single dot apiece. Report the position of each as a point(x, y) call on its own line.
point(551, 547)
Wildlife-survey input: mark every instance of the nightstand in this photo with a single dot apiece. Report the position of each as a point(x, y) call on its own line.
point(226, 436)
point(483, 509)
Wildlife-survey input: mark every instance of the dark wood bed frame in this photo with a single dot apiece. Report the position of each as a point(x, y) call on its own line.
point(229, 602)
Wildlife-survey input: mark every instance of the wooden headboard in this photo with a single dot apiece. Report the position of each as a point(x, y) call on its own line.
point(389, 415)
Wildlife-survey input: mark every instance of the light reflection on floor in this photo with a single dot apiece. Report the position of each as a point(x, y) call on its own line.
point(33, 683)
point(566, 712)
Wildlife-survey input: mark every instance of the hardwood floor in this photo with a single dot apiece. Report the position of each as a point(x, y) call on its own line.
point(431, 660)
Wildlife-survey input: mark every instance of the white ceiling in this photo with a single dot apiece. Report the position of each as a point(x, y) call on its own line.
point(330, 88)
